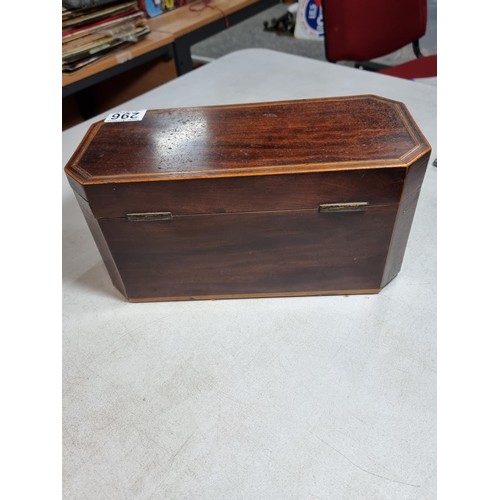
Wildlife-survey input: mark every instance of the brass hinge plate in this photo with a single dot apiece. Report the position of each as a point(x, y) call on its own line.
point(149, 216)
point(343, 207)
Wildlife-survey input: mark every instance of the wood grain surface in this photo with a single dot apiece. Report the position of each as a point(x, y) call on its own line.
point(227, 254)
point(247, 194)
point(300, 136)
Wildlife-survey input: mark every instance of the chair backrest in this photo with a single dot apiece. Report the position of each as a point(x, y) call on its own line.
point(360, 30)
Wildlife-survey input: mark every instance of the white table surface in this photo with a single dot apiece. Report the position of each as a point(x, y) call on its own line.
point(294, 398)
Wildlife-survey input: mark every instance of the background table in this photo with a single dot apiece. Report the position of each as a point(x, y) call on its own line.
point(171, 36)
point(155, 45)
point(318, 397)
point(195, 22)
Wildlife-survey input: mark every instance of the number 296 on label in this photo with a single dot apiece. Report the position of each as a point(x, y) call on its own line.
point(125, 116)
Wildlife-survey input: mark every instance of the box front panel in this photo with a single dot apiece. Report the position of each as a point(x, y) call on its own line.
point(252, 254)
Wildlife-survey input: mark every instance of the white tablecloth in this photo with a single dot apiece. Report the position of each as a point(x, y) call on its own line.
point(317, 397)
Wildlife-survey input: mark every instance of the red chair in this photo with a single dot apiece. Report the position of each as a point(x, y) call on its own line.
point(361, 30)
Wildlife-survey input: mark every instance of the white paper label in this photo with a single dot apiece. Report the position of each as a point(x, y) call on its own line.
point(126, 116)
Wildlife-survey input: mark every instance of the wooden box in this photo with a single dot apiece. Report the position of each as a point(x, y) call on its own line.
point(306, 197)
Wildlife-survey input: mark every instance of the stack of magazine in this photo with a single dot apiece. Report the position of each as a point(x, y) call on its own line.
point(90, 33)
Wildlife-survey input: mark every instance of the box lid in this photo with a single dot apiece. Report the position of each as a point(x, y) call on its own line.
point(301, 136)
